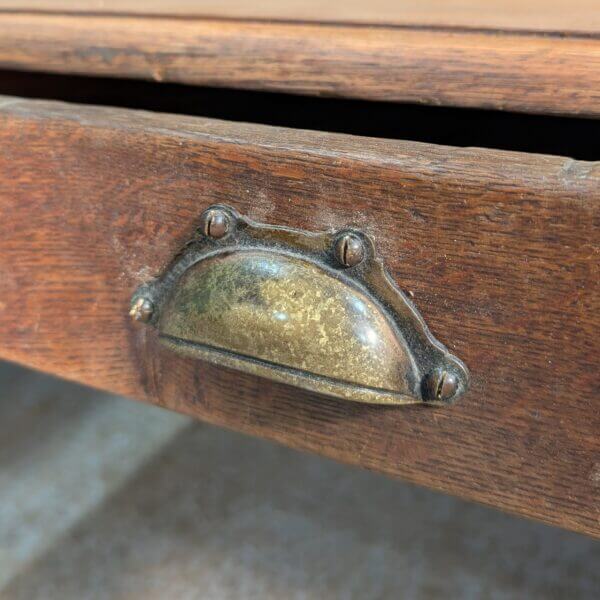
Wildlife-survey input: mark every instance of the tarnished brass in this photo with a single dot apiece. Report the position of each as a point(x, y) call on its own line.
point(141, 310)
point(214, 222)
point(300, 308)
point(349, 250)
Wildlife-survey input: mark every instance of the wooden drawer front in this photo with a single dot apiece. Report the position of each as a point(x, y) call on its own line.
point(499, 251)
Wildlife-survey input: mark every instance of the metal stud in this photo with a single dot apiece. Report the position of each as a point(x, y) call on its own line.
point(215, 223)
point(349, 250)
point(440, 386)
point(141, 309)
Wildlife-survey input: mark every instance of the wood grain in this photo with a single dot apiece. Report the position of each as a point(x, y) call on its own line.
point(527, 73)
point(499, 250)
point(564, 16)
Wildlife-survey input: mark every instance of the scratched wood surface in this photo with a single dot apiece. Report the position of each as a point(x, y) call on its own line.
point(498, 249)
point(549, 74)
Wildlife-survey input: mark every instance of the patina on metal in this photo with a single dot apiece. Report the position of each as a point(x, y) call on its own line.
point(141, 309)
point(215, 223)
point(349, 249)
point(314, 310)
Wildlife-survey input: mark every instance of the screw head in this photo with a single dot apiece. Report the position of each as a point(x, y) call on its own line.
point(349, 250)
point(141, 310)
point(215, 223)
point(440, 386)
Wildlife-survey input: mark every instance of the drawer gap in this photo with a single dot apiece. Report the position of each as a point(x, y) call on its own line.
point(558, 135)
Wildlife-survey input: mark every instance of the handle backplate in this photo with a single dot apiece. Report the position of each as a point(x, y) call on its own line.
point(314, 310)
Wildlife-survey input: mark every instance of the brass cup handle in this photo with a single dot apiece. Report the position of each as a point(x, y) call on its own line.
point(314, 310)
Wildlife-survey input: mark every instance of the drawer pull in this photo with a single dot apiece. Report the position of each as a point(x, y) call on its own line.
point(314, 310)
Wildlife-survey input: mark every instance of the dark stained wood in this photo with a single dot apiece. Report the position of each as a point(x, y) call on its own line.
point(519, 72)
point(579, 16)
point(499, 250)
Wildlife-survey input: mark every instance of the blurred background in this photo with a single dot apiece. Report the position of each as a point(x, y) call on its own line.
point(102, 497)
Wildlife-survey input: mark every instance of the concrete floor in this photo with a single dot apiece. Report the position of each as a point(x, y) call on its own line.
point(105, 498)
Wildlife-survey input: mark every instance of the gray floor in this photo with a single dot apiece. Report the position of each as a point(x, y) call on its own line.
point(103, 498)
